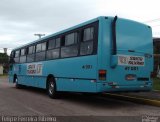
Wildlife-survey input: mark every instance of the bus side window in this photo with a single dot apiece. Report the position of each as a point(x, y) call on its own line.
point(53, 49)
point(16, 57)
point(86, 46)
point(23, 55)
point(58, 42)
point(51, 44)
point(71, 45)
point(30, 53)
point(11, 60)
point(41, 51)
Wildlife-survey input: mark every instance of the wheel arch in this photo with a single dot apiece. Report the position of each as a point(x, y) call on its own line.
point(47, 80)
point(14, 78)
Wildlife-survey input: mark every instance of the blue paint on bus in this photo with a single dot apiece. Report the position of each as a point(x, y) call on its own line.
point(98, 70)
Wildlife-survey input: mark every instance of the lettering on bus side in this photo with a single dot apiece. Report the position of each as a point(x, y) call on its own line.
point(34, 69)
point(87, 66)
point(131, 60)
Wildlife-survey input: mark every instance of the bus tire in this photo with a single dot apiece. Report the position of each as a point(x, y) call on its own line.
point(18, 86)
point(51, 88)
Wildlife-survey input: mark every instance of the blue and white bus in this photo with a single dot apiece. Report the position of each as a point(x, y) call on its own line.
point(105, 54)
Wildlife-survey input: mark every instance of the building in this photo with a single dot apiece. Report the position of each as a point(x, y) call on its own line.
point(1, 69)
point(4, 63)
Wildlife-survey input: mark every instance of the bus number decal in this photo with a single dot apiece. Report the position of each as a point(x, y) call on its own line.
point(131, 68)
point(87, 67)
point(34, 69)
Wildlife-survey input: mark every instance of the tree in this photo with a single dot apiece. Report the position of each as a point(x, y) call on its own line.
point(4, 61)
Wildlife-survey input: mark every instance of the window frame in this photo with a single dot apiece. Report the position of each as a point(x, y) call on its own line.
point(50, 40)
point(22, 56)
point(12, 55)
point(95, 25)
point(53, 48)
point(31, 54)
point(84, 31)
point(18, 53)
point(93, 40)
point(41, 51)
point(33, 49)
point(21, 52)
point(74, 32)
point(61, 36)
point(55, 42)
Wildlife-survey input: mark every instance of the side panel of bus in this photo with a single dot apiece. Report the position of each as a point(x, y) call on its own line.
point(78, 74)
point(71, 74)
point(74, 74)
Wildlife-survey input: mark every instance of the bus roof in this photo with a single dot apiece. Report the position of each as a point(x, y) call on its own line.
point(69, 29)
point(60, 32)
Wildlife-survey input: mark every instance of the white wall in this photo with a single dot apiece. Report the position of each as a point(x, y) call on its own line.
point(1, 70)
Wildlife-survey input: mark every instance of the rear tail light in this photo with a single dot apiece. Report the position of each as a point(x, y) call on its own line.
point(130, 77)
point(102, 74)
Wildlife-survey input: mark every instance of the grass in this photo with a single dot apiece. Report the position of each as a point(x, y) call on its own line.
point(156, 83)
point(4, 75)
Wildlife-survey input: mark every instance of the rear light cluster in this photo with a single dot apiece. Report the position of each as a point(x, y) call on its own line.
point(102, 74)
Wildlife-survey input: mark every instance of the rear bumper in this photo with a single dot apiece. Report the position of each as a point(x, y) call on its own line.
point(122, 88)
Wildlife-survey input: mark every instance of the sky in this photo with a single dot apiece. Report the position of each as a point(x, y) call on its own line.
point(21, 19)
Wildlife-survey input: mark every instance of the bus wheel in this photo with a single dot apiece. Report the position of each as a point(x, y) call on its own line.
point(16, 83)
point(52, 88)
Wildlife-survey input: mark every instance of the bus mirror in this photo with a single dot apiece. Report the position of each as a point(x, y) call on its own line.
point(114, 61)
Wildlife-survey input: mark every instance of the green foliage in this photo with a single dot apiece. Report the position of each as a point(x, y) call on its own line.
point(4, 58)
point(156, 83)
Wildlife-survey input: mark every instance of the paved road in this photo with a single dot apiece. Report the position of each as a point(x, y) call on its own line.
point(33, 102)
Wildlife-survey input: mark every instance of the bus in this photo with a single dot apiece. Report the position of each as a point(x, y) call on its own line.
point(105, 54)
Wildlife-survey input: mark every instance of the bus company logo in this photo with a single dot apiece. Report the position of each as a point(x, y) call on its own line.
point(34, 69)
point(123, 60)
point(31, 69)
point(31, 66)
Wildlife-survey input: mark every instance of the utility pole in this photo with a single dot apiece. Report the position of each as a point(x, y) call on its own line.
point(5, 50)
point(39, 35)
